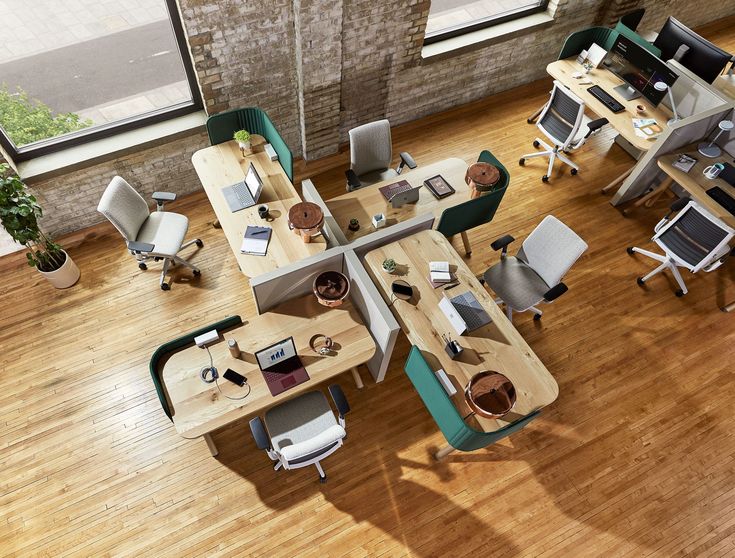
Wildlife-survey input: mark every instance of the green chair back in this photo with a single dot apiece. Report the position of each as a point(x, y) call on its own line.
point(457, 432)
point(473, 213)
point(603, 36)
point(221, 127)
point(164, 351)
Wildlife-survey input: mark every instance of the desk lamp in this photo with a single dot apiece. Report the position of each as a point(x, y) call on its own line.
point(662, 86)
point(710, 149)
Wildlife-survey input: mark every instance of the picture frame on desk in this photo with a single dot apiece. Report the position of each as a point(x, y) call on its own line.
point(439, 187)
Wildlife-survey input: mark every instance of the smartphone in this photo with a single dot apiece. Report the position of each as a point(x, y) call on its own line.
point(234, 377)
point(399, 289)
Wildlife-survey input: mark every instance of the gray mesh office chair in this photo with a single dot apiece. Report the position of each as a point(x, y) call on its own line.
point(694, 239)
point(158, 235)
point(371, 153)
point(563, 121)
point(534, 274)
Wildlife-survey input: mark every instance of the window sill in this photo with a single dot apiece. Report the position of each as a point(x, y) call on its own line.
point(484, 37)
point(81, 156)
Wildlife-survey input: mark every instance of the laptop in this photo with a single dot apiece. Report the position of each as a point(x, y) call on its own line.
point(404, 197)
point(246, 193)
point(390, 190)
point(464, 312)
point(281, 366)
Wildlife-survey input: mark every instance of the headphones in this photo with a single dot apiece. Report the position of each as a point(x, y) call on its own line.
point(321, 344)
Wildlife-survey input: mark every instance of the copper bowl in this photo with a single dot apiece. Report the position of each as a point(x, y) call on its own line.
point(331, 288)
point(490, 394)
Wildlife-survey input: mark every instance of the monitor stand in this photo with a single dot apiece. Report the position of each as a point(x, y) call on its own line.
point(626, 92)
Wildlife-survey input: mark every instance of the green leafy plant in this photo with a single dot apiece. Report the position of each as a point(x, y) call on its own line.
point(27, 120)
point(19, 215)
point(242, 136)
point(389, 265)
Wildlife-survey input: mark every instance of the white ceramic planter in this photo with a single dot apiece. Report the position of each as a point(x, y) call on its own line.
point(65, 276)
point(244, 146)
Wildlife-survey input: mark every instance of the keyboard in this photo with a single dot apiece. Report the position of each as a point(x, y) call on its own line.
point(238, 196)
point(723, 198)
point(605, 98)
point(470, 310)
point(391, 190)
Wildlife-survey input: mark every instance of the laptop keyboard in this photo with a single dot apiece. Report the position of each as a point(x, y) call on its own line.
point(396, 188)
point(470, 310)
point(243, 194)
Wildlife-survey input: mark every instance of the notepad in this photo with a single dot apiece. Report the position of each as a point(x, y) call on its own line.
point(255, 242)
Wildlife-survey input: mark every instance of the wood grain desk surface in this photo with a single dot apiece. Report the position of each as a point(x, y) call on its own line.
point(200, 408)
point(562, 70)
point(363, 203)
point(497, 346)
point(223, 165)
point(696, 183)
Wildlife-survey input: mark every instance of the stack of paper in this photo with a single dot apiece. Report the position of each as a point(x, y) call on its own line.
point(646, 128)
point(439, 272)
point(255, 242)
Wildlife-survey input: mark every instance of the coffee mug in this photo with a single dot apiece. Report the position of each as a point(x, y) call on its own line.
point(263, 211)
point(713, 170)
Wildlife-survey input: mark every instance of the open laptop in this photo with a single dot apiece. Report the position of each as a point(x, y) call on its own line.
point(464, 312)
point(405, 196)
point(281, 366)
point(246, 193)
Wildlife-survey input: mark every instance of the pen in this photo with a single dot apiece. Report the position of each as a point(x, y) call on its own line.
point(451, 285)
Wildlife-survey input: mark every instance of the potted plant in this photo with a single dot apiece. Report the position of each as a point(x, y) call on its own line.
point(242, 137)
point(354, 225)
point(19, 214)
point(389, 265)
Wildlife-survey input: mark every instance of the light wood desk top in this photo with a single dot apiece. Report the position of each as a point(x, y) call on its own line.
point(497, 346)
point(200, 408)
point(562, 70)
point(696, 183)
point(222, 165)
point(363, 203)
point(726, 84)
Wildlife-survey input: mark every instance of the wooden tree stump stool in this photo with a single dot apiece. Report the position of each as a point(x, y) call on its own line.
point(481, 178)
point(305, 219)
point(490, 394)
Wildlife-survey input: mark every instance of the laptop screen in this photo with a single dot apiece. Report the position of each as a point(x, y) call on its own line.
point(253, 182)
point(271, 356)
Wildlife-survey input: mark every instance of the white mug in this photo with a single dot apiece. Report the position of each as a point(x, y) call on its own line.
point(713, 171)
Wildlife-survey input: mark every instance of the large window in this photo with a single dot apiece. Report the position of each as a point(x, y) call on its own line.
point(449, 18)
point(75, 71)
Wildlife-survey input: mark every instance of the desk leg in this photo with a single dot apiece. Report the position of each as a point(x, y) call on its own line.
point(617, 181)
point(210, 444)
point(651, 196)
point(466, 242)
point(217, 224)
point(356, 376)
point(443, 452)
point(729, 307)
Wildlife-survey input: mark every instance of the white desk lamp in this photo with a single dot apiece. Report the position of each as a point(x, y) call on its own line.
point(710, 149)
point(662, 86)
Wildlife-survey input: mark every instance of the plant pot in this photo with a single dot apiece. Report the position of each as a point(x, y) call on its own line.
point(244, 147)
point(65, 276)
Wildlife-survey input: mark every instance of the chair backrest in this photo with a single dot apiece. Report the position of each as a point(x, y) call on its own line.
point(581, 40)
point(457, 433)
point(695, 237)
point(370, 147)
point(632, 19)
point(222, 126)
point(162, 353)
point(478, 211)
point(551, 249)
point(562, 116)
point(124, 207)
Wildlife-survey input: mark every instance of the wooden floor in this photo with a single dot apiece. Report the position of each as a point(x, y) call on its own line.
point(635, 458)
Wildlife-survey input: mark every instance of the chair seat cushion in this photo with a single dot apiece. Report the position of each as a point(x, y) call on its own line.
point(310, 447)
point(373, 177)
point(299, 420)
point(517, 284)
point(165, 230)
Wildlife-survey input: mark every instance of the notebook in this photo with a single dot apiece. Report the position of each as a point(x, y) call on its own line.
point(439, 272)
point(391, 190)
point(256, 239)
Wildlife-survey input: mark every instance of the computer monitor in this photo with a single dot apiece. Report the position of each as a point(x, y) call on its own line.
point(640, 70)
point(253, 182)
point(703, 58)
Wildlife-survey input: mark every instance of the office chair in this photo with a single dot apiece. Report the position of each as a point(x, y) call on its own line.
point(632, 19)
point(694, 240)
point(158, 235)
point(534, 274)
point(371, 153)
point(302, 431)
point(563, 121)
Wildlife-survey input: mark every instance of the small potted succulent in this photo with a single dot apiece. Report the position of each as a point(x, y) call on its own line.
point(242, 137)
point(389, 265)
point(354, 225)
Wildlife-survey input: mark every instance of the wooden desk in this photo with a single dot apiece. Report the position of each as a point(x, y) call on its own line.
point(726, 84)
point(222, 165)
point(199, 409)
point(497, 346)
point(363, 203)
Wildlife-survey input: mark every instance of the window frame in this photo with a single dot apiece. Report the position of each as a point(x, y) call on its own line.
point(59, 143)
point(476, 25)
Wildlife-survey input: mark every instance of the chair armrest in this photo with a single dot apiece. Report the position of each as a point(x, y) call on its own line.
point(259, 434)
point(595, 125)
point(555, 292)
point(338, 396)
point(502, 243)
point(352, 181)
point(679, 204)
point(406, 160)
point(140, 246)
point(163, 196)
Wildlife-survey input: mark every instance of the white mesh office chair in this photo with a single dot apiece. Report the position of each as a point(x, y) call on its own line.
point(563, 121)
point(303, 430)
point(371, 153)
point(158, 235)
point(694, 240)
point(534, 274)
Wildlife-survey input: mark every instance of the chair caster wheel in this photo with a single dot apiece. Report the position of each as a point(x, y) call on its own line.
point(630, 250)
point(199, 243)
point(529, 120)
point(323, 479)
point(165, 287)
point(142, 266)
point(521, 162)
point(536, 317)
point(574, 172)
point(482, 281)
point(536, 143)
point(544, 179)
point(639, 280)
point(196, 272)
point(679, 293)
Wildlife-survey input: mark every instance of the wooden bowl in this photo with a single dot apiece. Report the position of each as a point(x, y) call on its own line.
point(490, 394)
point(330, 288)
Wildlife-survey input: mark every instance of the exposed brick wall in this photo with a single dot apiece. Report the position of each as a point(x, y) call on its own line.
point(689, 12)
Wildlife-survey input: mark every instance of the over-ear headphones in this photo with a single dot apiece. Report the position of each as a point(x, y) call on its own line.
point(321, 344)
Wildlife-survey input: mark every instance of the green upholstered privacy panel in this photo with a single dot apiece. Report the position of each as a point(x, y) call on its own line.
point(162, 352)
point(223, 125)
point(473, 213)
point(603, 36)
point(459, 434)
point(622, 29)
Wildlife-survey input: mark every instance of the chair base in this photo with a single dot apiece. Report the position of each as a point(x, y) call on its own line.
point(537, 313)
point(552, 153)
point(666, 263)
point(169, 261)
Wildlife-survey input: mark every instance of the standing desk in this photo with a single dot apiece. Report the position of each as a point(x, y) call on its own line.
point(198, 408)
point(497, 346)
point(363, 203)
point(222, 165)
